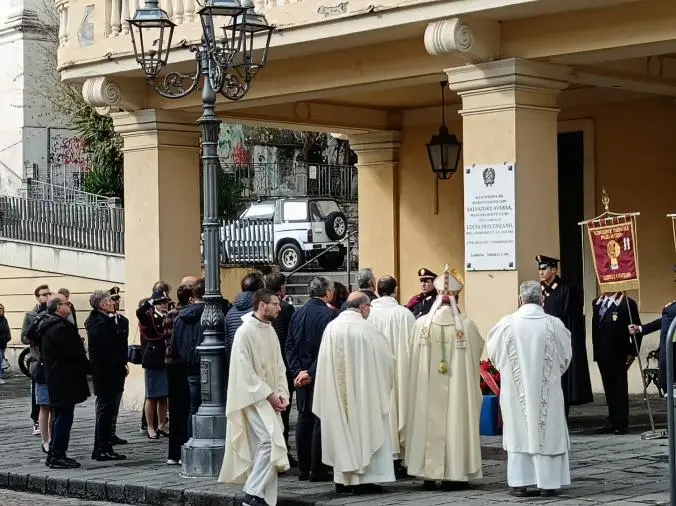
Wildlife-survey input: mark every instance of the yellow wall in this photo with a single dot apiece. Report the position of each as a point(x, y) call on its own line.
point(427, 240)
point(635, 145)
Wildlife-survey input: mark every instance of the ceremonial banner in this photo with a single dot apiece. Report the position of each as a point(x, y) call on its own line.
point(613, 244)
point(673, 226)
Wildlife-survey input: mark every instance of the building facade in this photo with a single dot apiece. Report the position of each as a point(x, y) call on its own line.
point(37, 140)
point(577, 96)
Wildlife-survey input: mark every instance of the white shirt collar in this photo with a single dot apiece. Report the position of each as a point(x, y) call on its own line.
point(613, 300)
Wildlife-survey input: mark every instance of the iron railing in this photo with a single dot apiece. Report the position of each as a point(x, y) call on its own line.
point(262, 180)
point(247, 241)
point(39, 190)
point(62, 224)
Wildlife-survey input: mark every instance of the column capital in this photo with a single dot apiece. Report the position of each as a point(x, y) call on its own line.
point(511, 72)
point(157, 128)
point(377, 148)
point(475, 40)
point(508, 84)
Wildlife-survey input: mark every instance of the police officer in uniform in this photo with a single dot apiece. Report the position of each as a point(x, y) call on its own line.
point(614, 352)
point(422, 303)
point(662, 324)
point(561, 300)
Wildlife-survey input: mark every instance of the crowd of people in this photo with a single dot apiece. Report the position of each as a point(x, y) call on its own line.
point(383, 391)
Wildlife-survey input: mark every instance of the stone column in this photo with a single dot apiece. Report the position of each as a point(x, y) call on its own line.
point(378, 186)
point(509, 114)
point(161, 205)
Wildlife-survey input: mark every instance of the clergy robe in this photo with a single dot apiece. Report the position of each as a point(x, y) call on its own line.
point(563, 302)
point(442, 425)
point(256, 371)
point(355, 377)
point(532, 350)
point(396, 323)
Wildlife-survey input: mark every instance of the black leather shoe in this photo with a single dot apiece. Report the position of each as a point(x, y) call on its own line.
point(251, 500)
point(518, 491)
point(118, 441)
point(454, 485)
point(343, 489)
point(103, 456)
point(606, 429)
point(549, 492)
point(368, 488)
point(620, 431)
point(63, 463)
point(429, 485)
point(320, 477)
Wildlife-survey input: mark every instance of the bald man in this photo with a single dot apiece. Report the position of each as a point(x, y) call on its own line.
point(360, 457)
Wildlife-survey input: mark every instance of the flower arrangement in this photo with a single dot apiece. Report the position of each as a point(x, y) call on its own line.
point(490, 373)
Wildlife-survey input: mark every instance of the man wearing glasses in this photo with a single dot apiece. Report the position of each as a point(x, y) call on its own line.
point(42, 293)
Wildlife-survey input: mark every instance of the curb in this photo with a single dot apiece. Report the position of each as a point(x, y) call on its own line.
point(98, 490)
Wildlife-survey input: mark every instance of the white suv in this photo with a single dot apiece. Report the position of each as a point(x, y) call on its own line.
point(303, 227)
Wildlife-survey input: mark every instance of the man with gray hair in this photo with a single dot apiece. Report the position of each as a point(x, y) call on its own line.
point(108, 355)
point(534, 345)
point(302, 349)
point(366, 284)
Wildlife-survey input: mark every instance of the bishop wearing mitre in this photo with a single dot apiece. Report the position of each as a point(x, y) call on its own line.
point(444, 397)
point(353, 385)
point(396, 322)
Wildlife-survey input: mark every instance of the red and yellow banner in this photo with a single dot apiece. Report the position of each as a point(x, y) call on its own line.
point(615, 253)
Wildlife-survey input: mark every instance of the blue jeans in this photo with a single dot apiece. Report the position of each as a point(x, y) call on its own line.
point(195, 385)
point(62, 421)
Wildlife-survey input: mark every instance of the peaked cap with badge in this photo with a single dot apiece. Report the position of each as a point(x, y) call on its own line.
point(425, 274)
point(545, 262)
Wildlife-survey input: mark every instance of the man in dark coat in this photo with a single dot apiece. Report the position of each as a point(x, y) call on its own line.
point(301, 350)
point(277, 283)
point(662, 324)
point(186, 337)
point(66, 369)
point(614, 352)
point(562, 301)
point(422, 303)
point(243, 304)
point(122, 324)
point(108, 355)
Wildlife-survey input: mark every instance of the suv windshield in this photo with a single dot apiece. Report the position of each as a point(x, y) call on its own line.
point(322, 208)
point(262, 210)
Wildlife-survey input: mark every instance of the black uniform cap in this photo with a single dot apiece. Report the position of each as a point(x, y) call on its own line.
point(545, 261)
point(114, 292)
point(425, 274)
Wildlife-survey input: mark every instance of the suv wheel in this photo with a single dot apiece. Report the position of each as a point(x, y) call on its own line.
point(336, 226)
point(290, 257)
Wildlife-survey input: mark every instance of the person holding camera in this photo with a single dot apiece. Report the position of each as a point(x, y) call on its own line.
point(151, 314)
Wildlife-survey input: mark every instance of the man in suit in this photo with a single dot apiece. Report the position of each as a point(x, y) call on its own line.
point(614, 352)
point(302, 350)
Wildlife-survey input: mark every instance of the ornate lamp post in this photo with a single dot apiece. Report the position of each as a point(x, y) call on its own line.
point(226, 64)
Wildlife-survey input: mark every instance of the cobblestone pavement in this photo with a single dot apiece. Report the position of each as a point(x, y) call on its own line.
point(608, 470)
point(11, 498)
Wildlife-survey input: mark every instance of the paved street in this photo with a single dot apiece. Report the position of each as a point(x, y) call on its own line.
point(608, 470)
point(11, 498)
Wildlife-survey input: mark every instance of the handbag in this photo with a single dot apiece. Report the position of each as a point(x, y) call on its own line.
point(135, 351)
point(153, 355)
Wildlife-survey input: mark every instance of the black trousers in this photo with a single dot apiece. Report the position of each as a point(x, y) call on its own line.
point(179, 409)
point(62, 422)
point(309, 444)
point(287, 414)
point(616, 388)
point(107, 407)
point(35, 409)
point(116, 412)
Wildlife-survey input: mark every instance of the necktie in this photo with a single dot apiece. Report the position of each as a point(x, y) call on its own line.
point(604, 308)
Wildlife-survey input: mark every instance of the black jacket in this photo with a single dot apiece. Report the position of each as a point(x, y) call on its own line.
point(233, 319)
point(302, 345)
point(187, 335)
point(5, 336)
point(66, 364)
point(662, 324)
point(610, 335)
point(107, 353)
point(281, 325)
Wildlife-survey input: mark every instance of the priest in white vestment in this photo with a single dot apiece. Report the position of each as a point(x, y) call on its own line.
point(532, 350)
point(355, 377)
point(444, 396)
point(396, 323)
point(255, 450)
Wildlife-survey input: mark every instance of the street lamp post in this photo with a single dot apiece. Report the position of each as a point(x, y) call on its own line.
point(226, 64)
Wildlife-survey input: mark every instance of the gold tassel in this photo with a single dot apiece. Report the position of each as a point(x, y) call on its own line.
point(443, 368)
